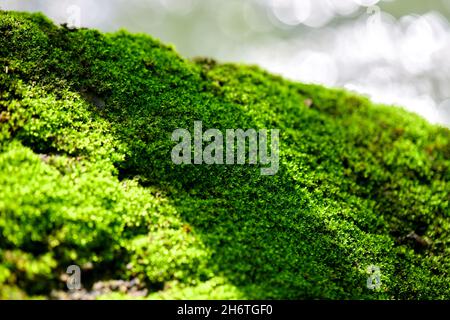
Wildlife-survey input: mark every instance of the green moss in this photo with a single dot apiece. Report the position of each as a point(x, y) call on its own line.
point(86, 177)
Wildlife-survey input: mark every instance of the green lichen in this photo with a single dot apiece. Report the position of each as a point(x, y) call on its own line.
point(86, 177)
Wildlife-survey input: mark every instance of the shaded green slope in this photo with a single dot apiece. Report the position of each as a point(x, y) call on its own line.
point(86, 177)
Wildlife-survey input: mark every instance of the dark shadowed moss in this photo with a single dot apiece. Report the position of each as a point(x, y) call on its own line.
point(86, 177)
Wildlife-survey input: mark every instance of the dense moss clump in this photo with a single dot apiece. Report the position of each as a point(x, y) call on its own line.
point(86, 177)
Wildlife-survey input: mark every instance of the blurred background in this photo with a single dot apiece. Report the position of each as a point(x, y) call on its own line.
point(396, 51)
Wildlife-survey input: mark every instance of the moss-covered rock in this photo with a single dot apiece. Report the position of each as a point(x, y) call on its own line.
point(86, 177)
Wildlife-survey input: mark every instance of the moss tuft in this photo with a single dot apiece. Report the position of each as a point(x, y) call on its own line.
point(86, 177)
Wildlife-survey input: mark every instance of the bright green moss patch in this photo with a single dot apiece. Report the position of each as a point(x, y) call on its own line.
point(86, 178)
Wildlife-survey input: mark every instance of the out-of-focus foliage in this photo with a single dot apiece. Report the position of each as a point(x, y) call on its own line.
point(86, 177)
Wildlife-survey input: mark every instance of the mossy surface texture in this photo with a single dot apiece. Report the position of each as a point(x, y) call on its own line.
point(86, 177)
